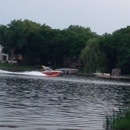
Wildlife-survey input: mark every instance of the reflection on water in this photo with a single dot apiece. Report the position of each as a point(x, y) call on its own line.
point(58, 103)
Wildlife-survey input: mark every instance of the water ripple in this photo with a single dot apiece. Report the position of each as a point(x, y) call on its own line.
point(58, 103)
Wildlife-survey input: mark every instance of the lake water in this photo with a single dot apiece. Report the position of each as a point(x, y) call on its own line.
point(35, 102)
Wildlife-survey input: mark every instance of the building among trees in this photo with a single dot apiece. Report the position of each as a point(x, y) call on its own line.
point(3, 57)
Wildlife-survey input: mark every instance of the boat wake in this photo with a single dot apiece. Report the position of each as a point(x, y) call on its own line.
point(31, 73)
point(68, 78)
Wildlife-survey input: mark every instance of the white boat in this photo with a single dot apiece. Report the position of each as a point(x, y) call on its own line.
point(102, 75)
point(108, 76)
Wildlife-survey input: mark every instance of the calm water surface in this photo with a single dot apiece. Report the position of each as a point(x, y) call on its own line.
point(58, 103)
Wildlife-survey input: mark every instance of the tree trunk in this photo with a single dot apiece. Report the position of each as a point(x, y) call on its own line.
point(58, 61)
point(12, 53)
point(54, 62)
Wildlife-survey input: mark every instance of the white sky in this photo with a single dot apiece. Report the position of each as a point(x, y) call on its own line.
point(102, 16)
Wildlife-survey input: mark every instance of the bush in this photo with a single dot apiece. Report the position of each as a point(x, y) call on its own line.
point(118, 121)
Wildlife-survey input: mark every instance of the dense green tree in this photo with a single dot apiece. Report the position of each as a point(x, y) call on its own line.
point(8, 40)
point(93, 59)
point(40, 44)
point(109, 47)
point(122, 39)
point(3, 30)
point(29, 47)
point(15, 37)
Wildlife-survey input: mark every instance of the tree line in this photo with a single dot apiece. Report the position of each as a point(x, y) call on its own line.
point(40, 44)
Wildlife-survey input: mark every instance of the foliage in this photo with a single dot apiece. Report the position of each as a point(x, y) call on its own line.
point(122, 37)
point(119, 121)
point(40, 44)
point(109, 47)
point(93, 59)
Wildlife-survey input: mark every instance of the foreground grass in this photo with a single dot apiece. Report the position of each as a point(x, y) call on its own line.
point(16, 67)
point(120, 121)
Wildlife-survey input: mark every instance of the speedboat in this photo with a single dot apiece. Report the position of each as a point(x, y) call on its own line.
point(49, 72)
point(52, 73)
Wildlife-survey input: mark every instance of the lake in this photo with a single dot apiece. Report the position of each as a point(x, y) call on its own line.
point(35, 102)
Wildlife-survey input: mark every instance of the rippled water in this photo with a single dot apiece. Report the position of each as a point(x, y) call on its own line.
point(58, 103)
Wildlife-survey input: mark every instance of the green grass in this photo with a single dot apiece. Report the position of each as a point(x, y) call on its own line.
point(119, 121)
point(7, 66)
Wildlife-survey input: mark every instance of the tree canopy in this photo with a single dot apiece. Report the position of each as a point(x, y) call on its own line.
point(92, 57)
point(40, 44)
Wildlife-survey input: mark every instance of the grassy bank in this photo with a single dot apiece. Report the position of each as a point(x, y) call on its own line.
point(118, 121)
point(16, 67)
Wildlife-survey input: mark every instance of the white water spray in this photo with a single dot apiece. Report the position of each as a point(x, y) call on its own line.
point(31, 73)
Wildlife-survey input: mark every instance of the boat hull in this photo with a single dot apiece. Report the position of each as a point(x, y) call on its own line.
point(52, 73)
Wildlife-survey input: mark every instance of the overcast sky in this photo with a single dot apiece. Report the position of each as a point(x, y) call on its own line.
point(102, 16)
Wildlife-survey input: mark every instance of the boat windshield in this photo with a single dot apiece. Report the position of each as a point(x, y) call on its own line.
point(48, 69)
